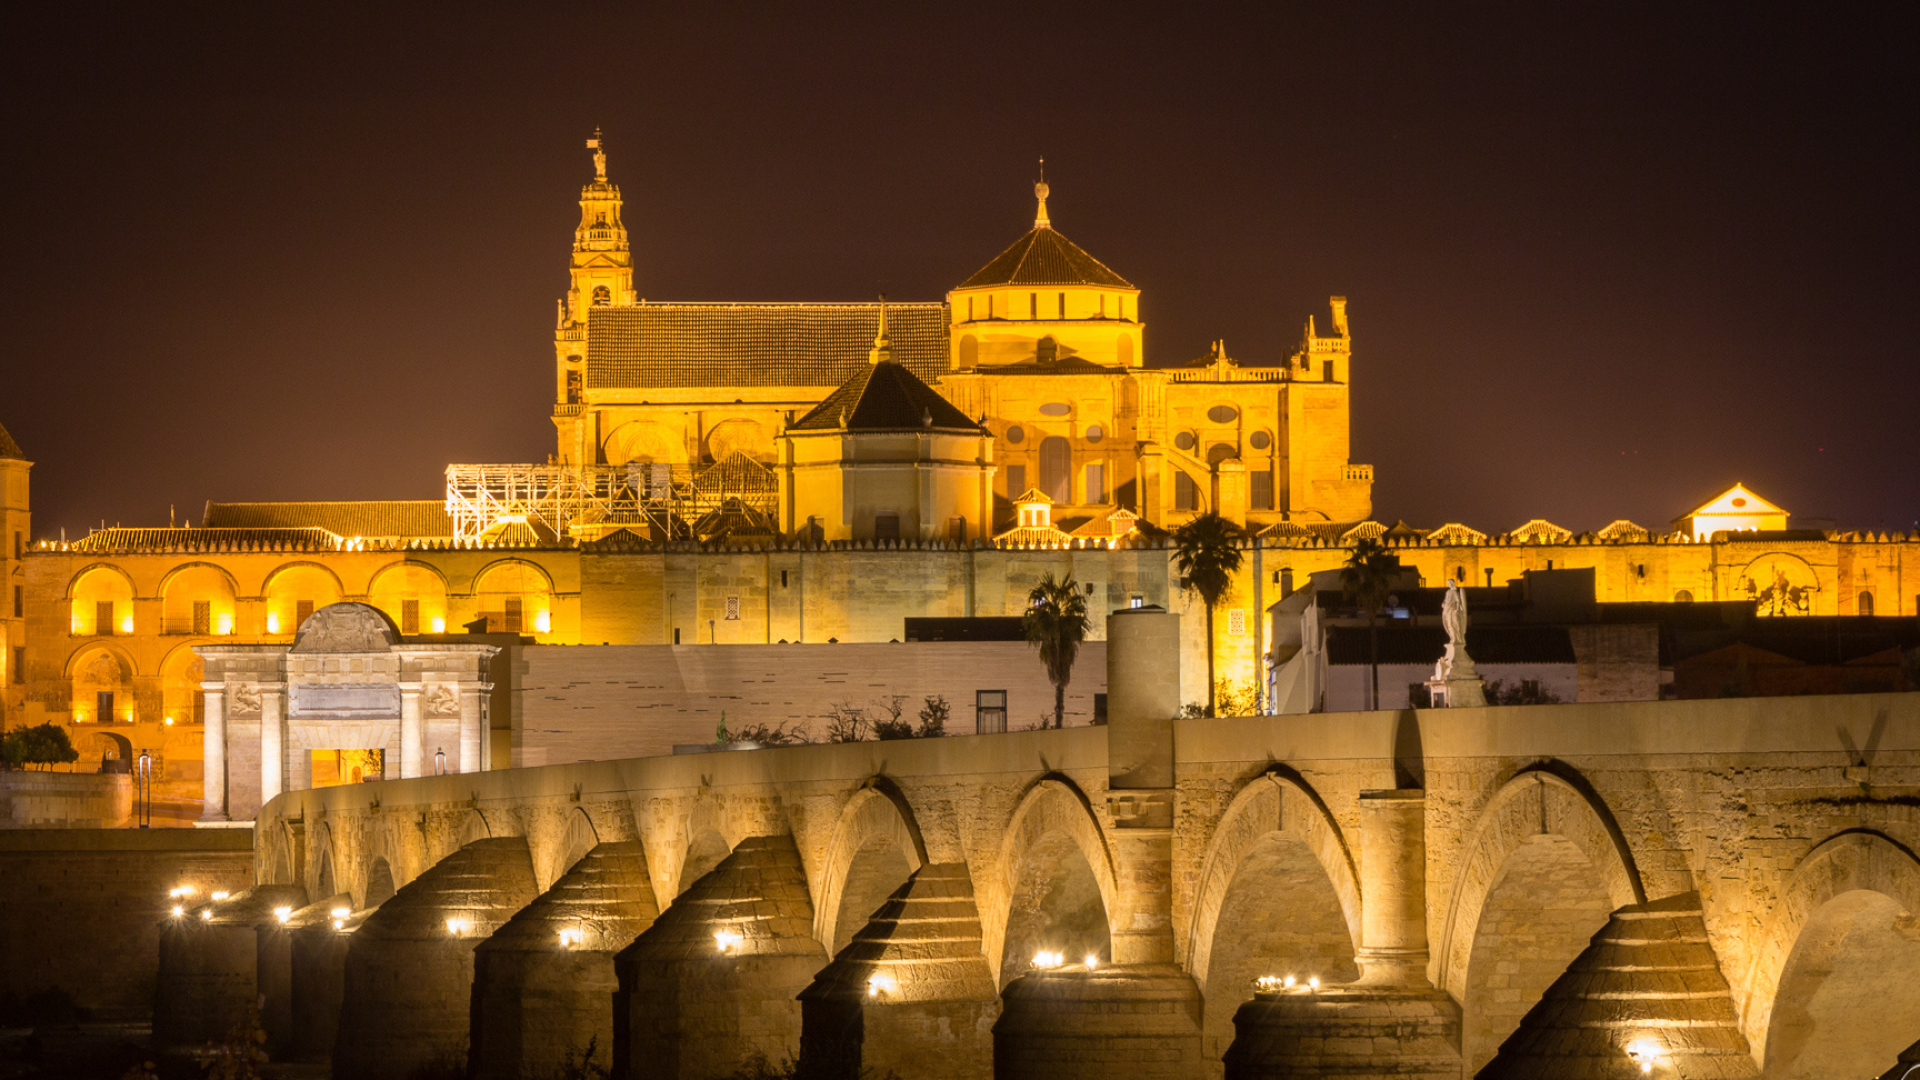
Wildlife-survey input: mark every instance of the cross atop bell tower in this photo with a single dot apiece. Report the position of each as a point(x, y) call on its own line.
point(602, 265)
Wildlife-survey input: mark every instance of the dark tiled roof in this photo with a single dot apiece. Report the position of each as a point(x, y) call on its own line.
point(135, 540)
point(9, 448)
point(1044, 257)
point(884, 397)
point(386, 518)
point(1424, 645)
point(671, 345)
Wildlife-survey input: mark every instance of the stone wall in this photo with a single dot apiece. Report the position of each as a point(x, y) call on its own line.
point(62, 800)
point(594, 702)
point(84, 907)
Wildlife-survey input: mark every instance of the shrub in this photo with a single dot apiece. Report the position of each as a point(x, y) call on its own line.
point(42, 744)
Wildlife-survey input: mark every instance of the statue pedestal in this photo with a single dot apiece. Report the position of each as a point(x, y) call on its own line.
point(1458, 693)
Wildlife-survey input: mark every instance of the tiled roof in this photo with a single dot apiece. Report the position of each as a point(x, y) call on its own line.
point(884, 397)
point(385, 518)
point(672, 345)
point(1044, 257)
point(135, 540)
point(9, 448)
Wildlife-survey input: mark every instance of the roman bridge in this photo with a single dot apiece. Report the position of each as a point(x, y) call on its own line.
point(1699, 889)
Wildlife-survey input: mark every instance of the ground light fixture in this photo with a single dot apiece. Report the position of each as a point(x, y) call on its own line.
point(727, 940)
point(456, 926)
point(221, 895)
point(178, 911)
point(1093, 961)
point(206, 914)
point(182, 890)
point(1046, 961)
point(570, 937)
point(878, 984)
point(1646, 1053)
point(283, 914)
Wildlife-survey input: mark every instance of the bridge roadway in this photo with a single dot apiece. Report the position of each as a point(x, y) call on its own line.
point(1710, 888)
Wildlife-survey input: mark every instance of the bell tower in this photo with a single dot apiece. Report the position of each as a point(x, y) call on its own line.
point(600, 274)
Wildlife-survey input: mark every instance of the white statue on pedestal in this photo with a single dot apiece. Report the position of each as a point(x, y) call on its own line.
point(1456, 683)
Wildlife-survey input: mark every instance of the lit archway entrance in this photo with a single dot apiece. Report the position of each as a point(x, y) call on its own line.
point(1849, 996)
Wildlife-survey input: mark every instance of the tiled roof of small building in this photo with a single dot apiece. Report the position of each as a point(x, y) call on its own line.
point(1044, 257)
point(884, 397)
point(383, 518)
point(670, 345)
point(136, 540)
point(9, 448)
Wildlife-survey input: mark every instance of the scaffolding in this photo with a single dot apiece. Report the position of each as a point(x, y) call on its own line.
point(665, 501)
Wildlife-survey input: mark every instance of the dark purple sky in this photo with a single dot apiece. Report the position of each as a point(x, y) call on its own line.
point(1602, 260)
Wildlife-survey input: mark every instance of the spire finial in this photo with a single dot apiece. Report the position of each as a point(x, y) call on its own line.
point(1040, 192)
point(599, 156)
point(882, 345)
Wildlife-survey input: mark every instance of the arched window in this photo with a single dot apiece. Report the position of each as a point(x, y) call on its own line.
point(602, 296)
point(1048, 350)
point(1186, 494)
point(1683, 597)
point(1865, 606)
point(1056, 468)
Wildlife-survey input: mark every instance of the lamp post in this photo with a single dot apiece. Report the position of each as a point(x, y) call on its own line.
point(143, 789)
point(440, 762)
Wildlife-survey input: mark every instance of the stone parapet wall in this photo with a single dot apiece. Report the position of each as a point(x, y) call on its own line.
point(62, 800)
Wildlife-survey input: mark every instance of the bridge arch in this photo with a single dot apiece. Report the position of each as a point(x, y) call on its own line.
point(1280, 877)
point(876, 846)
point(1053, 869)
point(1818, 999)
point(1542, 869)
point(325, 881)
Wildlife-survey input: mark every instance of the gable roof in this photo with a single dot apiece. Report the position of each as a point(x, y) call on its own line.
point(9, 448)
point(380, 518)
point(1044, 257)
point(650, 345)
point(885, 397)
point(1737, 500)
point(125, 540)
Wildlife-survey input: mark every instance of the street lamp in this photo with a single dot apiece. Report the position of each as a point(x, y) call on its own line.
point(440, 762)
point(143, 787)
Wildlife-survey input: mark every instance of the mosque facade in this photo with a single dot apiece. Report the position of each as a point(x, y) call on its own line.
point(755, 473)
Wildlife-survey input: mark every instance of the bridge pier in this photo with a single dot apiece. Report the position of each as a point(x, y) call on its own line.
point(315, 956)
point(541, 999)
point(408, 979)
point(1139, 1020)
point(715, 978)
point(1391, 1022)
point(210, 965)
point(911, 994)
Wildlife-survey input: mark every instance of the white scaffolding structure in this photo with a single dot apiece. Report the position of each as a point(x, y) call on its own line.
point(669, 501)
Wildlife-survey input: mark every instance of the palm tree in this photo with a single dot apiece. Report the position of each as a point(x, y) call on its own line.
point(1368, 579)
point(1208, 560)
point(1056, 622)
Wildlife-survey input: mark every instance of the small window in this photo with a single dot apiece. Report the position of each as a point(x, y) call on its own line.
point(1048, 350)
point(1033, 305)
point(1326, 371)
point(1063, 305)
point(19, 664)
point(1866, 603)
point(1260, 490)
point(1137, 600)
point(783, 579)
point(511, 619)
point(1286, 582)
point(1096, 484)
point(989, 712)
point(1055, 408)
point(733, 609)
point(103, 618)
point(1185, 441)
point(409, 617)
point(1095, 433)
point(1185, 493)
point(969, 309)
point(1016, 434)
point(1099, 708)
point(573, 388)
point(1681, 597)
point(19, 601)
point(103, 706)
point(957, 530)
point(885, 527)
point(203, 616)
point(1237, 622)
point(602, 296)
point(19, 545)
point(676, 635)
point(1260, 440)
point(1223, 414)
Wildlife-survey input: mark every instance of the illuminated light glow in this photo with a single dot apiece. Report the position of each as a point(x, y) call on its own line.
point(206, 914)
point(273, 623)
point(727, 940)
point(1093, 961)
point(226, 624)
point(126, 625)
point(1313, 984)
point(1268, 983)
point(879, 984)
point(168, 721)
point(178, 911)
point(283, 914)
point(183, 890)
point(129, 716)
point(1646, 1053)
point(1046, 960)
point(439, 626)
point(570, 937)
point(543, 622)
point(338, 925)
point(340, 912)
point(221, 895)
point(456, 926)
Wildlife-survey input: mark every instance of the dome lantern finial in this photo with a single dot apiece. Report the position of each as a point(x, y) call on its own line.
point(882, 345)
point(1040, 220)
point(599, 156)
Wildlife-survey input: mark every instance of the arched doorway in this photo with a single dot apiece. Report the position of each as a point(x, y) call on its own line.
point(1849, 997)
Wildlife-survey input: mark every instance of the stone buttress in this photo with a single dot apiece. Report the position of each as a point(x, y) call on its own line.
point(1647, 991)
point(303, 1028)
point(409, 968)
point(210, 965)
point(911, 994)
point(715, 978)
point(543, 984)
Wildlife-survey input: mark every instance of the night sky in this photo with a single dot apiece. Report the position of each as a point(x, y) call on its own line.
point(1602, 260)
